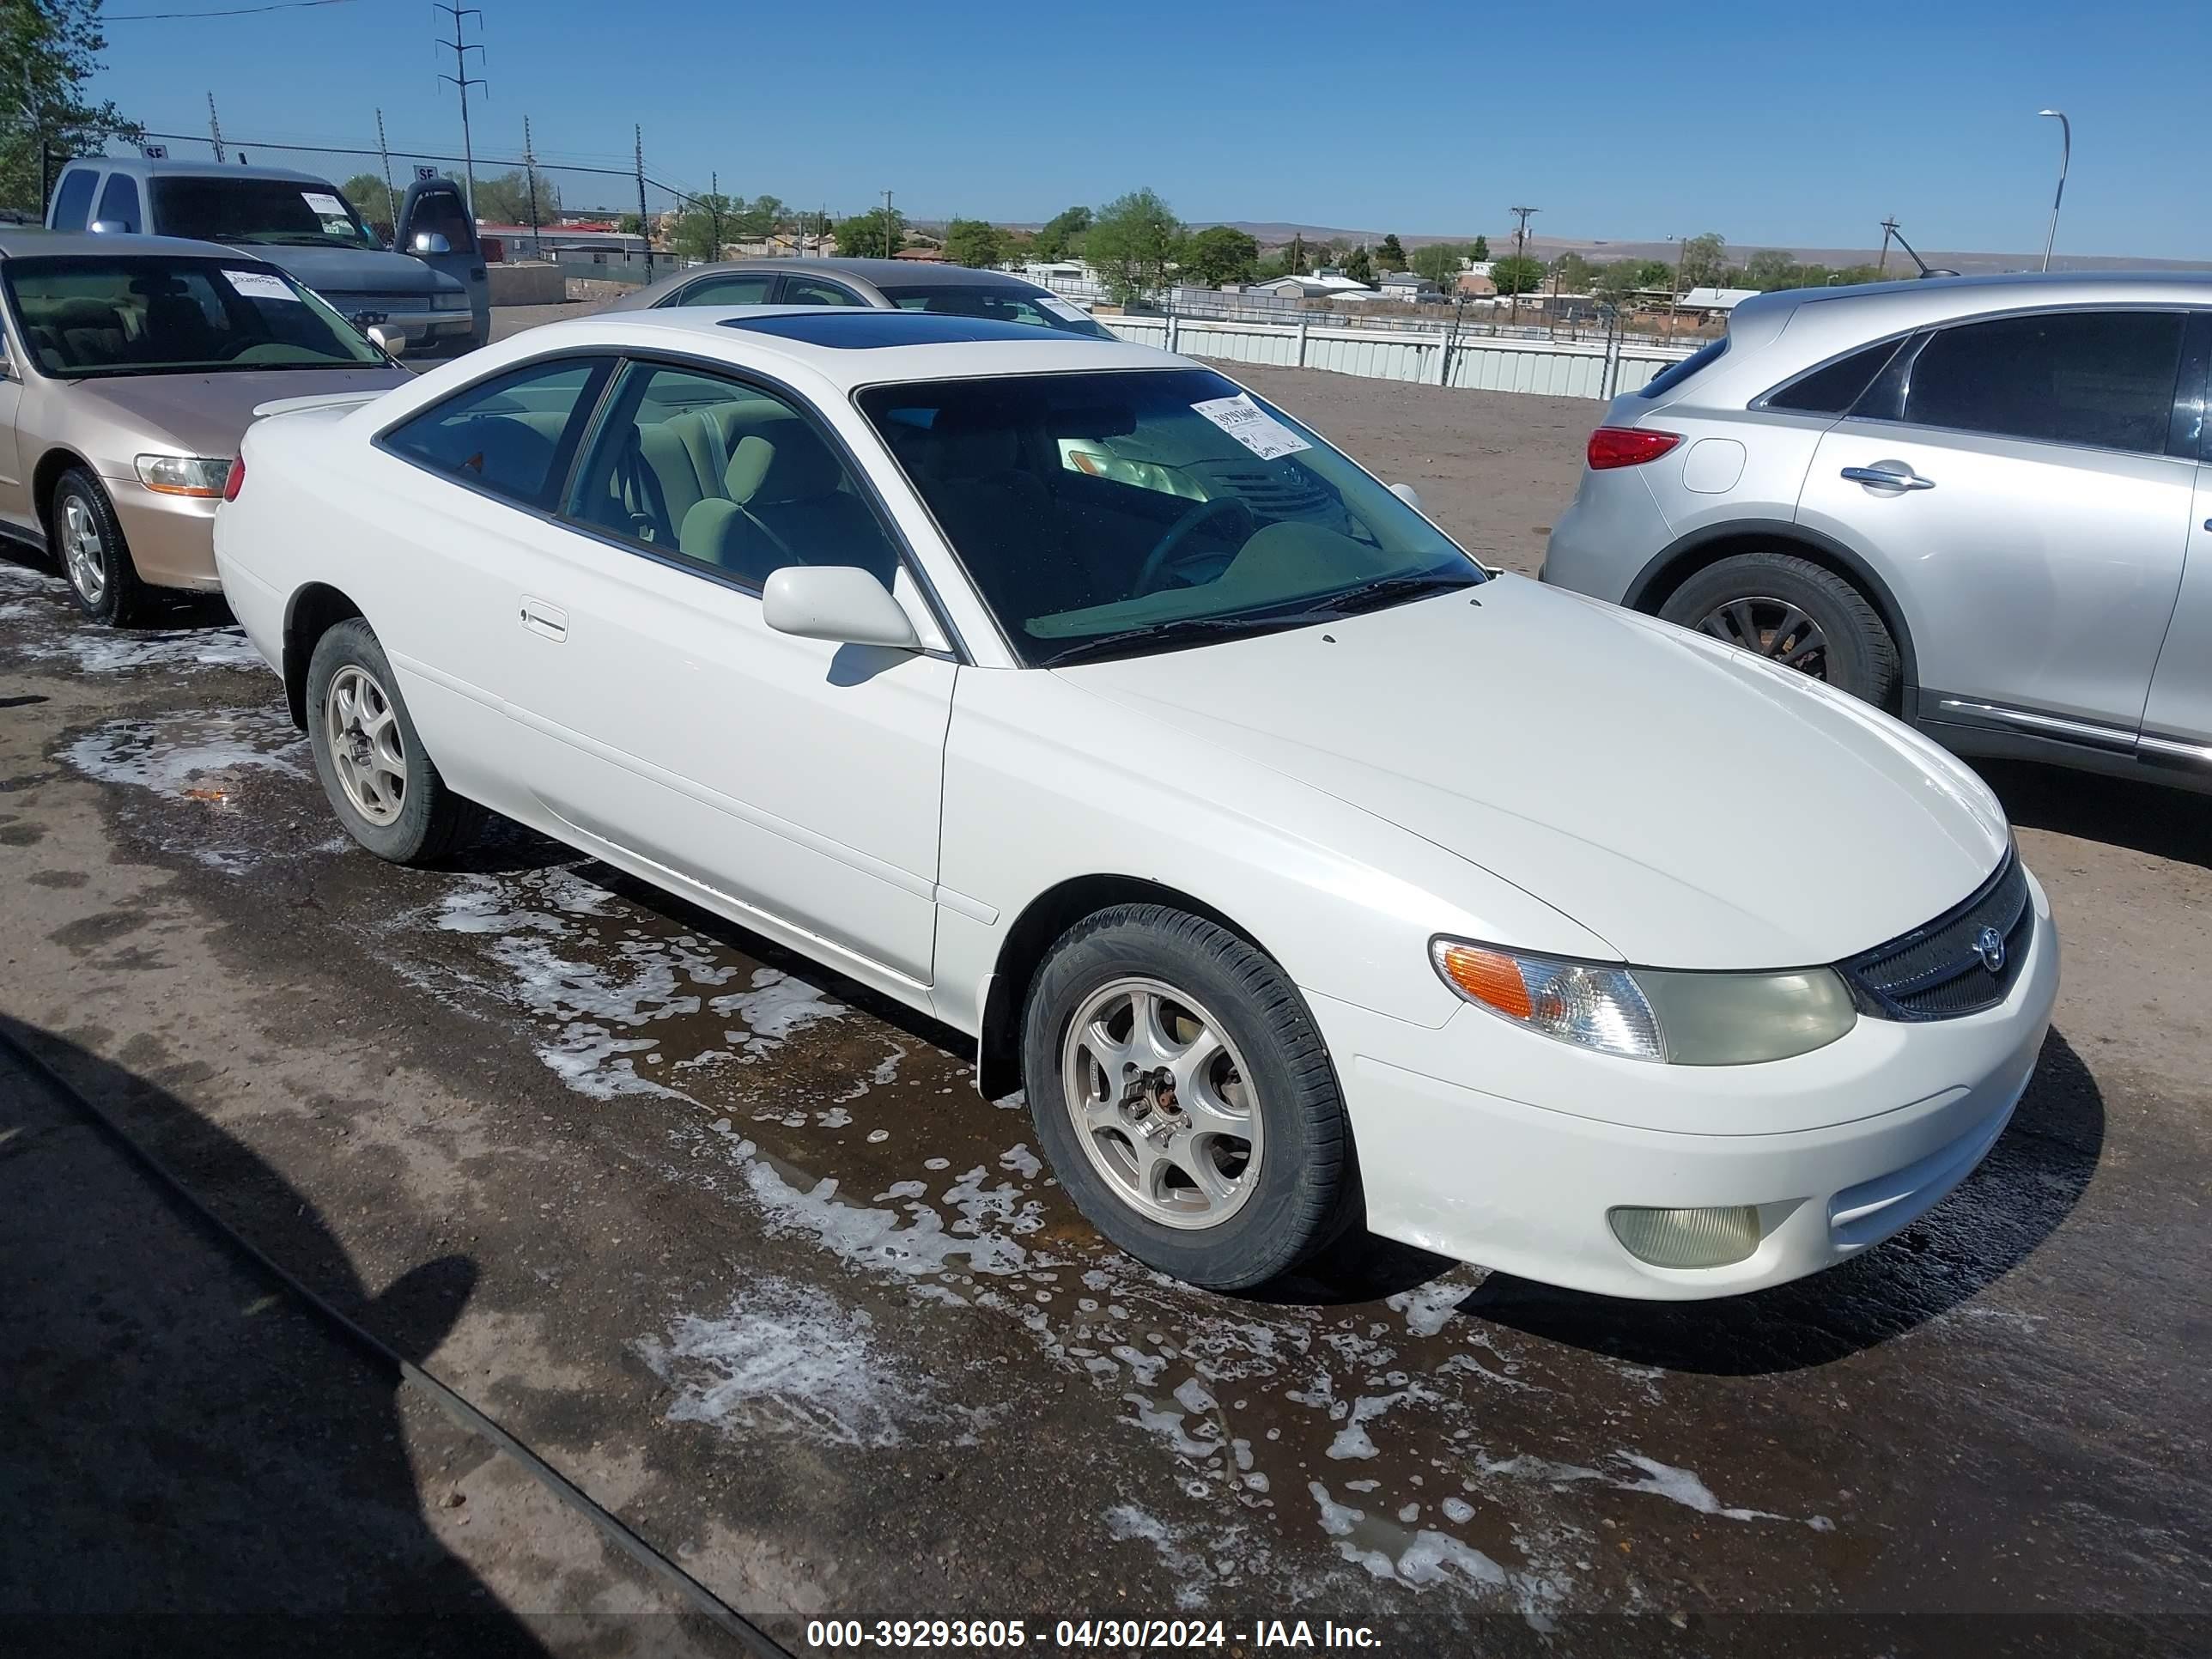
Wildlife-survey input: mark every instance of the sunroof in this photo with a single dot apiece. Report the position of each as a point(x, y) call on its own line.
point(862, 329)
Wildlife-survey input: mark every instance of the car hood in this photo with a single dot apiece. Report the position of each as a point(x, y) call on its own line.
point(1692, 805)
point(203, 414)
point(357, 270)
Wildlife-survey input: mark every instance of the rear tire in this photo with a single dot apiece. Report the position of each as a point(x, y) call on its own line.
point(381, 782)
point(1212, 1142)
point(87, 542)
point(1797, 613)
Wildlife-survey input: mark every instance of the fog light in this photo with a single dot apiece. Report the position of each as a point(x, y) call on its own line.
point(1687, 1238)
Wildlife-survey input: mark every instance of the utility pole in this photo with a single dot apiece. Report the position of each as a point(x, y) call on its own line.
point(888, 249)
point(1674, 285)
point(714, 214)
point(1520, 253)
point(644, 225)
point(530, 177)
point(215, 129)
point(384, 154)
point(1888, 230)
point(461, 78)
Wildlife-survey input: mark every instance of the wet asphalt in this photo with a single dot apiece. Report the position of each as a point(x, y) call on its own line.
point(749, 1259)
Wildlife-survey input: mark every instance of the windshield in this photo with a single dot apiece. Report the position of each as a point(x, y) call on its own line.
point(275, 211)
point(1122, 512)
point(90, 317)
point(1007, 305)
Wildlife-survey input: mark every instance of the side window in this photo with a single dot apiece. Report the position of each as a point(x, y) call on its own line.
point(2100, 378)
point(814, 291)
point(746, 288)
point(726, 477)
point(119, 201)
point(511, 435)
point(440, 213)
point(1833, 390)
point(74, 198)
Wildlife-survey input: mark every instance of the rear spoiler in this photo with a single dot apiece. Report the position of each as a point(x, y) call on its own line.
point(321, 400)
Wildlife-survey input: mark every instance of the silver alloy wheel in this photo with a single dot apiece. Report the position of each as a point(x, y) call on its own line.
point(1162, 1103)
point(1774, 629)
point(361, 731)
point(83, 550)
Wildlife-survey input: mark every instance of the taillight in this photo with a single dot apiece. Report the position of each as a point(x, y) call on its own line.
point(235, 480)
point(1627, 445)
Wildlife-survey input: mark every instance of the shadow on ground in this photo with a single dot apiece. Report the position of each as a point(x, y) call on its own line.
point(192, 1463)
point(2164, 821)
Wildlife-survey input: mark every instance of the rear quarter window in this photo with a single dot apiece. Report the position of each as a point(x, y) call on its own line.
point(1691, 366)
point(74, 199)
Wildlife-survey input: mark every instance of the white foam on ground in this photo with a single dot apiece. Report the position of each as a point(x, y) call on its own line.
point(784, 1359)
point(199, 757)
point(97, 650)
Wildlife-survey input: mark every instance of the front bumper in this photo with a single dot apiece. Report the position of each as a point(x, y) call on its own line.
point(1839, 1148)
point(172, 538)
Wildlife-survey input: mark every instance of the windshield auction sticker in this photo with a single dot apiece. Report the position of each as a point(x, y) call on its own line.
point(258, 285)
point(327, 205)
point(1252, 426)
point(1062, 309)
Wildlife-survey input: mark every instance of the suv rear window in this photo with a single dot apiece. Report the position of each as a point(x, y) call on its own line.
point(1696, 363)
point(1833, 389)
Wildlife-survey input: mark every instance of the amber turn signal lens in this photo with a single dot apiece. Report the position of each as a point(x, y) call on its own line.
point(1488, 977)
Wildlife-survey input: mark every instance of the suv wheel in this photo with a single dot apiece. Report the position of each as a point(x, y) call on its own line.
point(1796, 613)
point(1185, 1098)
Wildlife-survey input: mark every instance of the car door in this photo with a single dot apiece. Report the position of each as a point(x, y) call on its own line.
point(434, 208)
point(797, 778)
point(14, 496)
point(458, 498)
point(2177, 725)
point(2010, 478)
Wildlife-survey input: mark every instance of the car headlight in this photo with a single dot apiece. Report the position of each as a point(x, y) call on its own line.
point(184, 474)
point(443, 300)
point(1683, 1019)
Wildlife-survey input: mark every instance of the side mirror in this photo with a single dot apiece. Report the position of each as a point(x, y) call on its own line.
point(1408, 494)
point(392, 342)
point(429, 241)
point(110, 227)
point(839, 602)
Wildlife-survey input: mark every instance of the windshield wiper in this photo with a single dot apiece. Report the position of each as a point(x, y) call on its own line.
point(1389, 589)
point(1182, 631)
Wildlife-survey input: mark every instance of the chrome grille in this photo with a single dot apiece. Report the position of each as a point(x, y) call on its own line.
point(1943, 970)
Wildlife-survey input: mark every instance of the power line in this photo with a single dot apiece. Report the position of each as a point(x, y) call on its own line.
point(234, 11)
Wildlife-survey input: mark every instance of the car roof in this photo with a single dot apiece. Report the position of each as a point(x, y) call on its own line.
point(139, 167)
point(30, 241)
point(897, 273)
point(850, 346)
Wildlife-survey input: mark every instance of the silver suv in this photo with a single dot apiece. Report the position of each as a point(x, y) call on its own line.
point(1980, 502)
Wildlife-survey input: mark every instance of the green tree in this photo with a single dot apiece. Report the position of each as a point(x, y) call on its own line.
point(1218, 254)
point(1390, 255)
point(1617, 280)
point(505, 199)
point(49, 52)
point(1439, 261)
point(972, 242)
point(1481, 251)
point(874, 234)
point(371, 198)
point(1062, 235)
point(1702, 259)
point(1360, 267)
point(1770, 268)
point(1295, 256)
point(1131, 241)
point(758, 219)
point(1516, 274)
point(707, 224)
point(630, 225)
point(1574, 273)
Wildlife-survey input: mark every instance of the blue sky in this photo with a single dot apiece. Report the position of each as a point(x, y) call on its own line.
point(1771, 124)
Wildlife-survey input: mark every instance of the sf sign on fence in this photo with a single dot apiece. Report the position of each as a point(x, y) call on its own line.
point(425, 174)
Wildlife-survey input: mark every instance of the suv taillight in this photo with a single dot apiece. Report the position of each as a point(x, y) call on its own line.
point(235, 480)
point(1627, 445)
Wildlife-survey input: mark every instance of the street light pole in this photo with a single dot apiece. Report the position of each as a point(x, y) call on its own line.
point(2065, 155)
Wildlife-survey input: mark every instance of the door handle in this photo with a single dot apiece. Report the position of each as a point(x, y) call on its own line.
point(1888, 475)
point(549, 620)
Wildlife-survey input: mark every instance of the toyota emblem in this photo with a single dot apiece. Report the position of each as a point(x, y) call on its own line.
point(1989, 946)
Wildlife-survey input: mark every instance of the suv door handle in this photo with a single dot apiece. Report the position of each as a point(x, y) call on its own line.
point(1888, 475)
point(549, 620)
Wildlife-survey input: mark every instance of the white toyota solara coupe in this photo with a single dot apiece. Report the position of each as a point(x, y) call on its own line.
point(1304, 876)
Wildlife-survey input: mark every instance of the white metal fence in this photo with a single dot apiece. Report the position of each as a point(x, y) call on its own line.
point(1435, 357)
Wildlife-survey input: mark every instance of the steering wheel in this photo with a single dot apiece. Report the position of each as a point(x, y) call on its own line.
point(1154, 575)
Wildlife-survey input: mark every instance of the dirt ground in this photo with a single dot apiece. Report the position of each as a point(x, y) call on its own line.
point(739, 1248)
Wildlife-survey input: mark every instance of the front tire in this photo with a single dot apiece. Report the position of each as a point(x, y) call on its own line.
point(88, 546)
point(1794, 612)
point(381, 780)
point(1185, 1098)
